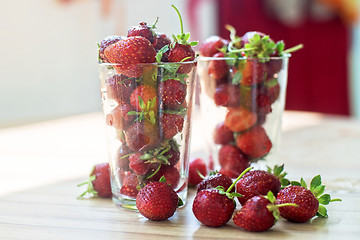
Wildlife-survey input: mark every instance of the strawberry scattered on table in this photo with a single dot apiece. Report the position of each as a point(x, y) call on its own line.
point(214, 207)
point(98, 184)
point(310, 201)
point(259, 213)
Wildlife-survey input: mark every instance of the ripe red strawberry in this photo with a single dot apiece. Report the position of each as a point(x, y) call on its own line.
point(227, 95)
point(99, 182)
point(119, 87)
point(172, 93)
point(161, 41)
point(253, 73)
point(258, 214)
point(142, 136)
point(263, 103)
point(196, 166)
point(239, 119)
point(231, 158)
point(272, 89)
point(218, 68)
point(157, 201)
point(274, 66)
point(129, 190)
point(171, 124)
point(170, 173)
point(104, 44)
point(129, 178)
point(310, 201)
point(140, 166)
point(143, 30)
point(211, 46)
point(215, 179)
point(308, 204)
point(222, 134)
point(255, 183)
point(122, 157)
point(128, 53)
point(255, 143)
point(146, 93)
point(214, 207)
point(182, 50)
point(173, 155)
point(119, 118)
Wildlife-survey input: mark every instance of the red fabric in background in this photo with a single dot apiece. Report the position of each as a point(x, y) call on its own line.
point(318, 74)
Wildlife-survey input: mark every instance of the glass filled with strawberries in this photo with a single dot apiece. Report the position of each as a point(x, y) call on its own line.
point(243, 86)
point(147, 84)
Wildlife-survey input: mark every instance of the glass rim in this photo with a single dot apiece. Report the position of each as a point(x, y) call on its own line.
point(150, 64)
point(285, 56)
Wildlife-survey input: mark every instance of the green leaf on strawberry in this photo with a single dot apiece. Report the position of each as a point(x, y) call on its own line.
point(182, 38)
point(161, 53)
point(317, 188)
point(278, 171)
point(147, 112)
point(237, 77)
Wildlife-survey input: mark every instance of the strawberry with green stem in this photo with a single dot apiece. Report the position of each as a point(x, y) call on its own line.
point(144, 101)
point(310, 201)
point(255, 183)
point(181, 49)
point(214, 207)
point(98, 184)
point(259, 213)
point(278, 171)
point(215, 179)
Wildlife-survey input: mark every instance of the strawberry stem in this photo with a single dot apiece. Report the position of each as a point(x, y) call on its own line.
point(287, 204)
point(199, 173)
point(181, 22)
point(293, 49)
point(238, 178)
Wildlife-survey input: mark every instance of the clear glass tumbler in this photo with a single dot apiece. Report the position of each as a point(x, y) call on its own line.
point(148, 117)
point(241, 102)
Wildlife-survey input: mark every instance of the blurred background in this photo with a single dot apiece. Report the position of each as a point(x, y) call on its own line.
point(48, 48)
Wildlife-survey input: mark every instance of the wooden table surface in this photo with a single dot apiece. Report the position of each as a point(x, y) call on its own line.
point(42, 163)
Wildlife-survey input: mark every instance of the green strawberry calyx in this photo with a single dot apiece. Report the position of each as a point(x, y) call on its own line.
point(227, 192)
point(158, 155)
point(257, 47)
point(90, 188)
point(273, 207)
point(317, 188)
point(147, 112)
point(182, 38)
point(278, 171)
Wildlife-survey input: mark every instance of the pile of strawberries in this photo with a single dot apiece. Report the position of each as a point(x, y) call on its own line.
point(148, 91)
point(243, 76)
point(264, 196)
